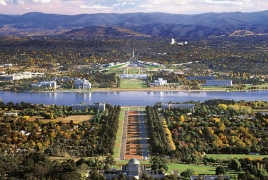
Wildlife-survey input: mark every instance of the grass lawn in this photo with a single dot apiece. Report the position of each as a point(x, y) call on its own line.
point(132, 83)
point(115, 69)
point(75, 118)
point(262, 86)
point(213, 88)
point(200, 169)
point(117, 146)
point(238, 156)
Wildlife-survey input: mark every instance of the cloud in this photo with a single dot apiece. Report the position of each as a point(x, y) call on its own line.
point(41, 1)
point(127, 6)
point(229, 2)
point(18, 2)
point(94, 7)
point(3, 2)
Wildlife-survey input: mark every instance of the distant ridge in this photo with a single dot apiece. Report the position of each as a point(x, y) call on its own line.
point(136, 24)
point(103, 31)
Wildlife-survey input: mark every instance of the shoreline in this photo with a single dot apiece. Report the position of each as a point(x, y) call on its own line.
point(130, 90)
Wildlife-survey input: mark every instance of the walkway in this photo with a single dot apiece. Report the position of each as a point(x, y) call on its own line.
point(134, 138)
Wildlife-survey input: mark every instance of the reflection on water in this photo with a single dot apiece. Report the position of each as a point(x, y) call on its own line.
point(128, 98)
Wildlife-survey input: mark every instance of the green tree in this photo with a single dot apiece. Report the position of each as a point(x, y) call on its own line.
point(220, 170)
point(109, 160)
point(235, 165)
point(189, 172)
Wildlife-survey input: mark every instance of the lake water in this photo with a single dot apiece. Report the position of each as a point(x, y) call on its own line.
point(126, 98)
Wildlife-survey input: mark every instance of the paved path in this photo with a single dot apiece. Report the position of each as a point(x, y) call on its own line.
point(137, 138)
point(124, 137)
point(143, 137)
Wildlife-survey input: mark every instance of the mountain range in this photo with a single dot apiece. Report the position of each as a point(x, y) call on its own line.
point(137, 24)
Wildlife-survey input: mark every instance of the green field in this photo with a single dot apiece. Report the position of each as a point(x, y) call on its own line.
point(132, 83)
point(200, 169)
point(115, 69)
point(238, 156)
point(119, 133)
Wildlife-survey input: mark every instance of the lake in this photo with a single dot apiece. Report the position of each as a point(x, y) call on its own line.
point(129, 98)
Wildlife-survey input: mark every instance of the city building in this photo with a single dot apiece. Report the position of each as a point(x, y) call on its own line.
point(133, 170)
point(160, 82)
point(133, 76)
point(219, 83)
point(99, 106)
point(179, 106)
point(82, 84)
point(49, 84)
point(11, 114)
point(84, 107)
point(18, 76)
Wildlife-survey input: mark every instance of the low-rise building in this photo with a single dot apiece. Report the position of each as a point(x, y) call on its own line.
point(133, 76)
point(82, 84)
point(49, 84)
point(133, 170)
point(160, 82)
point(219, 83)
point(179, 106)
point(18, 76)
point(11, 114)
point(84, 107)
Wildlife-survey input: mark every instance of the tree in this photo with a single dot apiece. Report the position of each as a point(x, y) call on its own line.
point(235, 165)
point(189, 172)
point(121, 177)
point(220, 170)
point(95, 175)
point(181, 119)
point(109, 160)
point(159, 163)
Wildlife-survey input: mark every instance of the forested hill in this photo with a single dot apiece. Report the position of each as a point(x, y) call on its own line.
point(157, 24)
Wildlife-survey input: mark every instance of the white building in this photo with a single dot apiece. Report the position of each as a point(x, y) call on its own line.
point(83, 107)
point(133, 170)
point(11, 114)
point(179, 106)
point(173, 41)
point(100, 106)
point(219, 83)
point(82, 84)
point(160, 82)
point(8, 65)
point(50, 84)
point(133, 76)
point(18, 76)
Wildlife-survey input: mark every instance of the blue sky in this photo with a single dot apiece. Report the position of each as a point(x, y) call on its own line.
point(127, 6)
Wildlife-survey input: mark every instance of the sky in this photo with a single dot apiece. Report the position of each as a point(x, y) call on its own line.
point(72, 7)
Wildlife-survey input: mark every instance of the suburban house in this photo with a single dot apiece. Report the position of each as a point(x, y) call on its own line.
point(82, 84)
